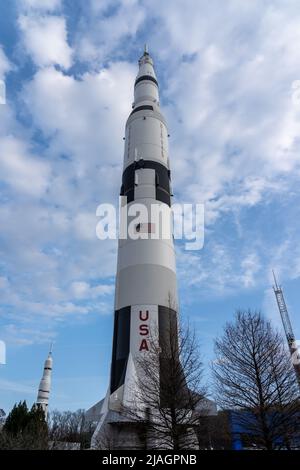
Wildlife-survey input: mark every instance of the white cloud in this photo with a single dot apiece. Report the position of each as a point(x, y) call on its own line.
point(39, 240)
point(5, 64)
point(82, 290)
point(20, 335)
point(85, 117)
point(45, 39)
point(11, 386)
point(250, 266)
point(20, 169)
point(229, 96)
point(100, 32)
point(84, 225)
point(219, 269)
point(226, 77)
point(41, 5)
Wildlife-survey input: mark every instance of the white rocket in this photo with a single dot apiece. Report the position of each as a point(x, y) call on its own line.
point(45, 384)
point(146, 287)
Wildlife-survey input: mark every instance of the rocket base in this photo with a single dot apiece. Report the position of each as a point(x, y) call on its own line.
point(118, 431)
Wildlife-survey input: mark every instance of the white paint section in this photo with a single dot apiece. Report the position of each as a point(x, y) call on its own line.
point(146, 139)
point(150, 283)
point(131, 392)
point(158, 252)
point(116, 398)
point(104, 411)
point(144, 184)
point(146, 90)
point(155, 212)
point(146, 66)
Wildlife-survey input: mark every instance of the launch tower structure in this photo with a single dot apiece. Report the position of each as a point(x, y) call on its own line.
point(290, 337)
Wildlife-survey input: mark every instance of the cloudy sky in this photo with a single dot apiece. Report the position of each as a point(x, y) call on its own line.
point(229, 74)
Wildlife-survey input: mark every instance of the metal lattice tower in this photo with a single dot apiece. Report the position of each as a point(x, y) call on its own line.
point(287, 328)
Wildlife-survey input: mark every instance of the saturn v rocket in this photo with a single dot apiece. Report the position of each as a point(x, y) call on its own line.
point(146, 289)
point(45, 384)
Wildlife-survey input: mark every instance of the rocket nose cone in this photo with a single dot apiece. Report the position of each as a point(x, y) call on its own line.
point(146, 68)
point(146, 58)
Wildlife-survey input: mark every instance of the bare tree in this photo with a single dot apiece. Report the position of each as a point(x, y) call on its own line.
point(104, 441)
point(254, 378)
point(214, 432)
point(68, 427)
point(168, 392)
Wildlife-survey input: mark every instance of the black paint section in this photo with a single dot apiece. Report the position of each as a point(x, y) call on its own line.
point(168, 340)
point(120, 351)
point(141, 108)
point(146, 77)
point(163, 196)
point(171, 372)
point(162, 177)
point(167, 324)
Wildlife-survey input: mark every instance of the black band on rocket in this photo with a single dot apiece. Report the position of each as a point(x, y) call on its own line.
point(146, 77)
point(162, 177)
point(142, 108)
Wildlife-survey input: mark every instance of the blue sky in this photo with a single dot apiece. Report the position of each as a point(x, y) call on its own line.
point(227, 73)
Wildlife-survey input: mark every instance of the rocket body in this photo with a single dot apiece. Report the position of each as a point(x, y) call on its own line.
point(146, 288)
point(45, 385)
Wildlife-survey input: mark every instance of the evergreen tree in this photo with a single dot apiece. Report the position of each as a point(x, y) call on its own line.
point(25, 429)
point(36, 431)
point(17, 420)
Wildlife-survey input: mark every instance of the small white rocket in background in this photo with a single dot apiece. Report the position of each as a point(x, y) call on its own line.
point(45, 384)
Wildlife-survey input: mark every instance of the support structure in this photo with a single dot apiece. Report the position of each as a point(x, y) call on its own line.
point(290, 337)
